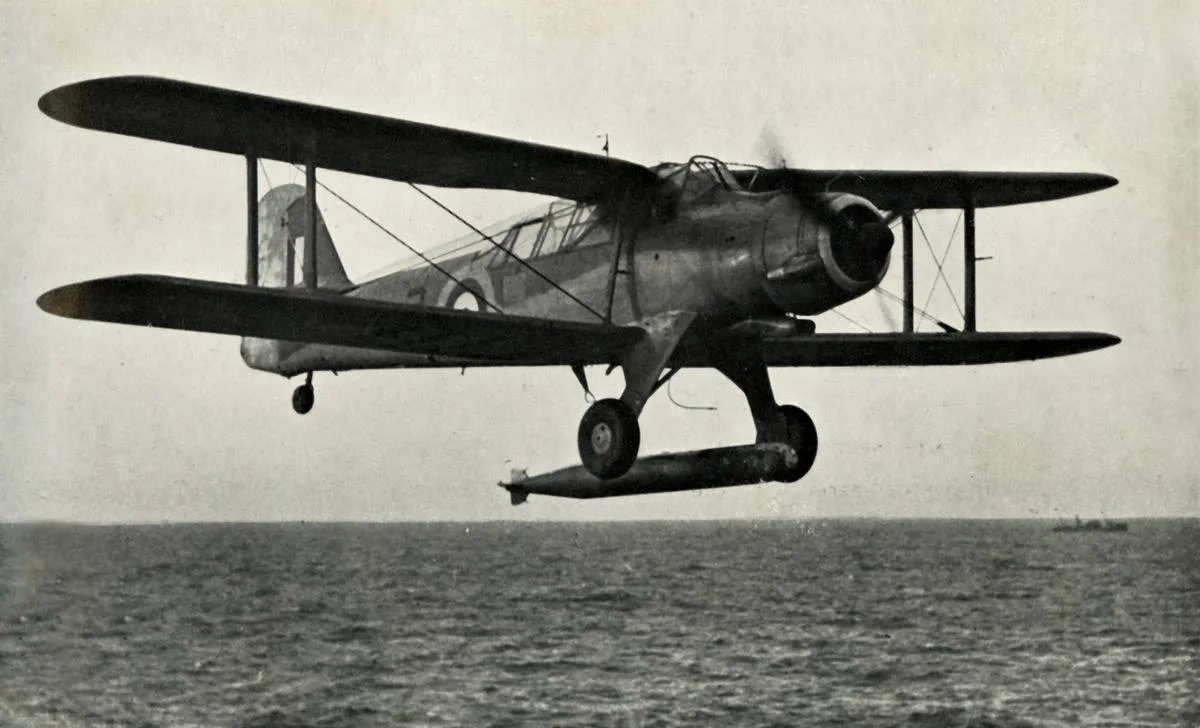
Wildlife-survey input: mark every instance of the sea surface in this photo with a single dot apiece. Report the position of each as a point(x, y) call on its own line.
point(800, 623)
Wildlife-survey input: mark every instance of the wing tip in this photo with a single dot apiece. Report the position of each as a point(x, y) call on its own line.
point(59, 103)
point(69, 103)
point(62, 301)
point(1101, 181)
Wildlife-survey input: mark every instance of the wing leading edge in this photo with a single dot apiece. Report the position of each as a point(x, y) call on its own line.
point(241, 123)
point(858, 350)
point(924, 190)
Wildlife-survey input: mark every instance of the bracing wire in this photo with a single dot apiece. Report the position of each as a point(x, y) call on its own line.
point(949, 242)
point(437, 254)
point(411, 249)
point(900, 300)
point(509, 253)
point(266, 176)
point(940, 263)
point(839, 313)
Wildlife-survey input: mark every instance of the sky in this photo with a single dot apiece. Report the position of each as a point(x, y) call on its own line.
point(105, 423)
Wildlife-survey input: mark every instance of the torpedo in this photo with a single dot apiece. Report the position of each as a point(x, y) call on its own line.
point(699, 469)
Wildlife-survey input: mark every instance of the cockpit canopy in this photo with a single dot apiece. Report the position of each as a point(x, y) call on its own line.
point(566, 225)
point(697, 178)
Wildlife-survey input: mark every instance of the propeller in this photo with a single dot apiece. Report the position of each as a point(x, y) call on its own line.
point(888, 316)
point(772, 148)
point(863, 239)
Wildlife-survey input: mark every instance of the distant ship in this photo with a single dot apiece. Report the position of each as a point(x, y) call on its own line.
point(1105, 526)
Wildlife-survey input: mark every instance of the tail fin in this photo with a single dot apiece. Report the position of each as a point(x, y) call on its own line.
point(282, 226)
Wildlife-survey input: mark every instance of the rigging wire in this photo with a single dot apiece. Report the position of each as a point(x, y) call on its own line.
point(900, 300)
point(325, 63)
point(949, 242)
point(411, 249)
point(436, 254)
point(507, 252)
point(265, 175)
point(940, 263)
point(452, 247)
point(839, 313)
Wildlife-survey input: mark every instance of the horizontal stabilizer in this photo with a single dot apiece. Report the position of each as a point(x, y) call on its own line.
point(289, 131)
point(924, 190)
point(320, 317)
point(700, 469)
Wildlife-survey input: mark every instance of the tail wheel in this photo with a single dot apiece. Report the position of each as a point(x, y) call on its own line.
point(609, 438)
point(802, 436)
point(303, 398)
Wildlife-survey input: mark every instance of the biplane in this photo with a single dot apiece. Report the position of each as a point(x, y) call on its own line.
point(645, 269)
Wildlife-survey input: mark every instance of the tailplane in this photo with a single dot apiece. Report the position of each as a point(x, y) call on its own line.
point(282, 227)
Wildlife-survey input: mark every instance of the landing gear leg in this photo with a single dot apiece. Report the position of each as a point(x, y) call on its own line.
point(304, 396)
point(609, 436)
point(772, 423)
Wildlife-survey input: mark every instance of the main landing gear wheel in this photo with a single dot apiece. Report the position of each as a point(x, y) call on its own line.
point(609, 438)
point(304, 397)
point(802, 436)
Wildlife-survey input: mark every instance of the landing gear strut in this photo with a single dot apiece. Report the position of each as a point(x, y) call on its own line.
point(304, 396)
point(609, 436)
point(772, 422)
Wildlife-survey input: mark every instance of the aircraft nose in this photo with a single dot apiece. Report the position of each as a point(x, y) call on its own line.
point(860, 251)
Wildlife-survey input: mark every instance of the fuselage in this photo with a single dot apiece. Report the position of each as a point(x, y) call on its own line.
point(705, 246)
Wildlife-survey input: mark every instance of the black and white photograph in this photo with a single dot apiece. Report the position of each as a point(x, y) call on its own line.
point(616, 364)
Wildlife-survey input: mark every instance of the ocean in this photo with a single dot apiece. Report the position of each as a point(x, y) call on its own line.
point(971, 624)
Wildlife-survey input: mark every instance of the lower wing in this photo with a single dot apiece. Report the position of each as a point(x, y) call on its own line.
point(856, 350)
point(318, 317)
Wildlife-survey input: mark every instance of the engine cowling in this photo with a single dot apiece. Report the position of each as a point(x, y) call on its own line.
point(817, 259)
point(856, 254)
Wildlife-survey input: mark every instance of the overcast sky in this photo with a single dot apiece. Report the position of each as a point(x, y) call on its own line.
point(112, 423)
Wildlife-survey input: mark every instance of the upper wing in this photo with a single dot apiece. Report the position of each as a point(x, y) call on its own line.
point(328, 318)
point(289, 131)
point(899, 190)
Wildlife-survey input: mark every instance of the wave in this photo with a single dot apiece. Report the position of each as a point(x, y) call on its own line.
point(956, 717)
